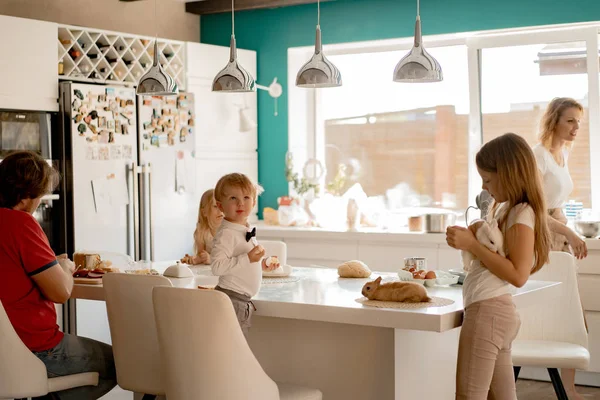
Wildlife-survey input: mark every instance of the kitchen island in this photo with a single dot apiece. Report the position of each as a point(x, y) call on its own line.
point(313, 332)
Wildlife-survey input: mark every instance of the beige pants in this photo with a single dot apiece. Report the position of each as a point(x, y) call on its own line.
point(485, 369)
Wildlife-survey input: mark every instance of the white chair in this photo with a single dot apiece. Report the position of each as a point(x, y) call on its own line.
point(205, 354)
point(23, 375)
point(133, 331)
point(553, 334)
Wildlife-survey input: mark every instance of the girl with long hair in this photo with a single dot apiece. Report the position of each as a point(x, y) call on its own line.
point(508, 169)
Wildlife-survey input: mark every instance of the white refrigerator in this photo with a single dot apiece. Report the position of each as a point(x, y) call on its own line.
point(129, 179)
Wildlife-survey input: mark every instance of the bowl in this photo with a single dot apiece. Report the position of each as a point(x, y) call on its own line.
point(438, 222)
point(589, 229)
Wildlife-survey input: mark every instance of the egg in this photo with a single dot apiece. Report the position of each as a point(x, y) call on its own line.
point(419, 274)
point(430, 275)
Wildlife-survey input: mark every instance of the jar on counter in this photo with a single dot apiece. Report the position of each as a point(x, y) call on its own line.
point(415, 262)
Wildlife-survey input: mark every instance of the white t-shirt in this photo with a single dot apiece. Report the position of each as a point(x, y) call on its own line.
point(480, 283)
point(557, 181)
point(230, 260)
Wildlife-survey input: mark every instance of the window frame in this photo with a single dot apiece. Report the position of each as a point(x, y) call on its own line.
point(306, 128)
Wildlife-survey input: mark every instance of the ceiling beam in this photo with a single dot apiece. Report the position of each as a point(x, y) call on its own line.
point(221, 6)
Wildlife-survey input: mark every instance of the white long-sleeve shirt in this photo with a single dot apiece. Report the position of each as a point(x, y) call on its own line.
point(230, 260)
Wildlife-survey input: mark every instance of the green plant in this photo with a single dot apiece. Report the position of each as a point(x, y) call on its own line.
point(337, 185)
point(301, 185)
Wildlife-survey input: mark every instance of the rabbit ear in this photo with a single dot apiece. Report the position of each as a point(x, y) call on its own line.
point(494, 223)
point(378, 280)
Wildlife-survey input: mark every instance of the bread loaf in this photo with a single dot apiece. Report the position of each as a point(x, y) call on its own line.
point(86, 260)
point(354, 269)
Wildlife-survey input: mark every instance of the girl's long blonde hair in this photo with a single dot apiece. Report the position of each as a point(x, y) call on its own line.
point(552, 115)
point(512, 159)
point(204, 225)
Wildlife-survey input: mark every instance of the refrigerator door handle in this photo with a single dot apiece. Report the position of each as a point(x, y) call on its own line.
point(136, 211)
point(149, 199)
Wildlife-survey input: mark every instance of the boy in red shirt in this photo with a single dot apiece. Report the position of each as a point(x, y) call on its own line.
point(33, 279)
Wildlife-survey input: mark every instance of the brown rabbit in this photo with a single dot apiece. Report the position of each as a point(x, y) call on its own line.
point(408, 292)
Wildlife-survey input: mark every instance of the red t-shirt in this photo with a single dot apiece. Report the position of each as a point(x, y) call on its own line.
point(25, 252)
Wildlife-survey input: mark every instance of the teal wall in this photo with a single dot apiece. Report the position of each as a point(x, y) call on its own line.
point(272, 31)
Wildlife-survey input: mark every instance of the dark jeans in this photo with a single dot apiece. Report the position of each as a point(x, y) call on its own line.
point(74, 355)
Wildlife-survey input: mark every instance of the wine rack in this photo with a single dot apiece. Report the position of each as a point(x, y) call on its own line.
point(89, 55)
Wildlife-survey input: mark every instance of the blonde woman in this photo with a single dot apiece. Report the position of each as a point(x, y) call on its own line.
point(209, 219)
point(484, 367)
point(558, 130)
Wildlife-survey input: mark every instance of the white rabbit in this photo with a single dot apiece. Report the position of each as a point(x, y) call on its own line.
point(489, 235)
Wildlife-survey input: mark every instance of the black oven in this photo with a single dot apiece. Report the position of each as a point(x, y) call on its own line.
point(32, 130)
point(26, 130)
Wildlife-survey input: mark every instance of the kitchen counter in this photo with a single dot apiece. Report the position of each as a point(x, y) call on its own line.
point(321, 295)
point(313, 332)
point(403, 236)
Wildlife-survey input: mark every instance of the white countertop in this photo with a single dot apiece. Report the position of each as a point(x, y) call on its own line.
point(320, 295)
point(365, 234)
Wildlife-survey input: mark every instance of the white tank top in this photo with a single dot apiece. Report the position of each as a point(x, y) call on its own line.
point(557, 181)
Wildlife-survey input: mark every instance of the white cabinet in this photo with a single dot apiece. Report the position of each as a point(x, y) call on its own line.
point(28, 64)
point(330, 249)
point(221, 147)
point(218, 114)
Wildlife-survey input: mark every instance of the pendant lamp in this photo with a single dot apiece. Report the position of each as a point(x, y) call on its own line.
point(156, 82)
point(233, 78)
point(318, 72)
point(418, 65)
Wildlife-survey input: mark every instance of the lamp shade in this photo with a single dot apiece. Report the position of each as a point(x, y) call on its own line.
point(233, 78)
point(418, 65)
point(318, 72)
point(156, 82)
point(246, 122)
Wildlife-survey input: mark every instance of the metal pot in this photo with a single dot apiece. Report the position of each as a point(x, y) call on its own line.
point(589, 229)
point(437, 223)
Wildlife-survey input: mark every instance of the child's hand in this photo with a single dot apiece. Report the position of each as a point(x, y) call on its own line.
point(460, 238)
point(256, 254)
point(203, 257)
point(270, 267)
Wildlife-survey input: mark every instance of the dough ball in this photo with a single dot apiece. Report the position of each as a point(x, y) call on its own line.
point(354, 269)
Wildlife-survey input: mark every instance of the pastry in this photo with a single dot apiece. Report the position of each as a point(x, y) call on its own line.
point(354, 269)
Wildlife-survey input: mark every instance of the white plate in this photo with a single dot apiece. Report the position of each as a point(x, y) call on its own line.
point(287, 271)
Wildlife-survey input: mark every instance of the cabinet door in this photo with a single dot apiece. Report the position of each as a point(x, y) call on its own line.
point(593, 321)
point(588, 291)
point(591, 264)
point(321, 250)
point(29, 64)
point(220, 115)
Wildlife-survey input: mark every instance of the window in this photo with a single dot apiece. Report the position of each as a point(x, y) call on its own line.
point(518, 82)
point(414, 144)
point(398, 135)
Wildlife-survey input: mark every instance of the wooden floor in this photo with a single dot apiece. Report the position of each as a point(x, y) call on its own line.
point(526, 390)
point(536, 390)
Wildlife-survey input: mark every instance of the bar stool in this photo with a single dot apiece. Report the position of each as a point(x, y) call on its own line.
point(553, 335)
point(205, 354)
point(23, 375)
point(133, 331)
